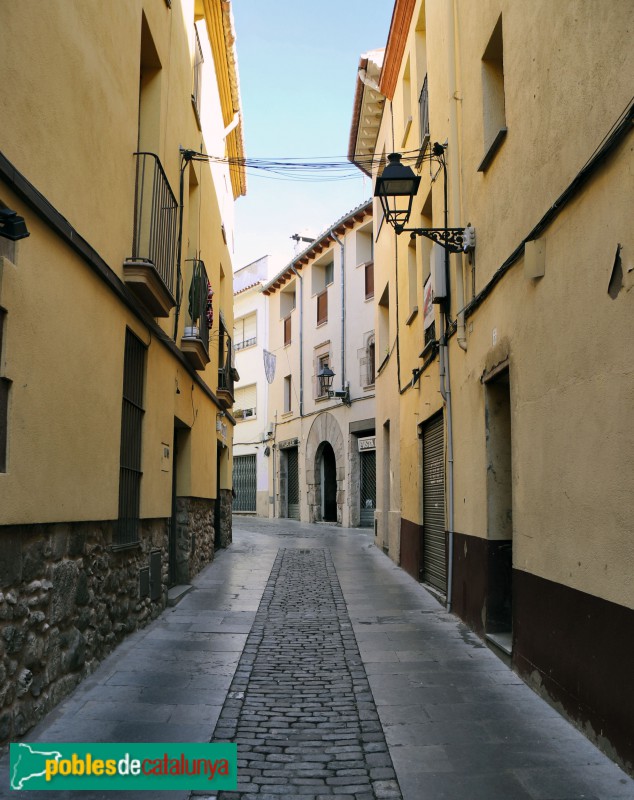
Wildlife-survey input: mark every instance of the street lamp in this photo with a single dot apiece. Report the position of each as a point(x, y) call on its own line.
point(12, 226)
point(396, 188)
point(325, 376)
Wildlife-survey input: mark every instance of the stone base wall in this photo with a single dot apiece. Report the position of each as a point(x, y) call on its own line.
point(194, 536)
point(225, 535)
point(66, 600)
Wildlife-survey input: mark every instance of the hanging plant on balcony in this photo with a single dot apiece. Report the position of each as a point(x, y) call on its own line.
point(195, 296)
point(210, 308)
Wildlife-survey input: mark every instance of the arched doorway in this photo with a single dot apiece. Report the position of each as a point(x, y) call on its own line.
point(328, 481)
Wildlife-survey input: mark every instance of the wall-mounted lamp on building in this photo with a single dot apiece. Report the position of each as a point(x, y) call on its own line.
point(397, 186)
point(325, 376)
point(12, 226)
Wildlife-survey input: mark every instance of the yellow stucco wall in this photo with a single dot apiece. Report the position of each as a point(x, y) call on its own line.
point(69, 125)
point(570, 362)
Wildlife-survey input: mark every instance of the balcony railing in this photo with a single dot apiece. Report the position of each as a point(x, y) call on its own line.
point(150, 271)
point(198, 317)
point(246, 343)
point(227, 373)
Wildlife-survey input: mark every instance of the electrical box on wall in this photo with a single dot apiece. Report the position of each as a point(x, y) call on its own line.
point(438, 273)
point(535, 259)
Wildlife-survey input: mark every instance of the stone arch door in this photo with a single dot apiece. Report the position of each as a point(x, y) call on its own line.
point(325, 470)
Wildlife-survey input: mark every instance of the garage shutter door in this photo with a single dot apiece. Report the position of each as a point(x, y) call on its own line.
point(434, 560)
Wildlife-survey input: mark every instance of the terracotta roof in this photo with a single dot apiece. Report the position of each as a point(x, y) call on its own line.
point(320, 244)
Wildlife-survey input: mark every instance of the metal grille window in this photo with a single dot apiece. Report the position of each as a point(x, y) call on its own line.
point(368, 488)
point(198, 75)
point(130, 454)
point(245, 332)
point(292, 457)
point(245, 483)
point(5, 385)
point(322, 307)
point(287, 331)
point(369, 280)
point(245, 405)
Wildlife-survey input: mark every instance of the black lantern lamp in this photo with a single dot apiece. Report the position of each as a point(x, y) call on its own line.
point(397, 186)
point(325, 376)
point(12, 226)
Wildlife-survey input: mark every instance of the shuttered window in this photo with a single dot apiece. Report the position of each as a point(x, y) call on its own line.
point(245, 405)
point(322, 307)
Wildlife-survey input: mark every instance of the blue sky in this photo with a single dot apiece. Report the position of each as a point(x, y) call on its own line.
point(298, 61)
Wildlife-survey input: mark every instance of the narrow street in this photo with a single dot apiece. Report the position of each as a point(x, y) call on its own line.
point(338, 676)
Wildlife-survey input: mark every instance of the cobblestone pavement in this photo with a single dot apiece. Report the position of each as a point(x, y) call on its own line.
point(300, 706)
point(338, 675)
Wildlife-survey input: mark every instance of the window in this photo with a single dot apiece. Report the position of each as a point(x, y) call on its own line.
point(288, 405)
point(198, 76)
point(322, 307)
point(371, 362)
point(412, 276)
point(369, 280)
point(5, 385)
point(493, 111)
point(130, 452)
point(245, 405)
point(407, 103)
point(329, 272)
point(365, 245)
point(323, 361)
point(245, 332)
point(287, 300)
point(423, 114)
point(384, 324)
point(322, 275)
point(287, 331)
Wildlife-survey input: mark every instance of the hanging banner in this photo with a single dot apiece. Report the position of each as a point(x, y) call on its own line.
point(269, 365)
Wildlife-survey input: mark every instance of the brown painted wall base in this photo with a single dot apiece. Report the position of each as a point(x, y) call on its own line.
point(578, 651)
point(481, 583)
point(411, 548)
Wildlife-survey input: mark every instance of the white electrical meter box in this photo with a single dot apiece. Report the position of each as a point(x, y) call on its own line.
point(438, 273)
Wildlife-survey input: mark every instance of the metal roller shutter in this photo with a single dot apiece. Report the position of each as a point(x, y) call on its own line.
point(434, 556)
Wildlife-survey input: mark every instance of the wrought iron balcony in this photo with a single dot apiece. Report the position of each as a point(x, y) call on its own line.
point(227, 373)
point(198, 316)
point(150, 270)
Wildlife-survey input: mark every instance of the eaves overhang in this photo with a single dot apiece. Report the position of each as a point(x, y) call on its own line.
point(221, 31)
point(367, 111)
point(316, 248)
point(396, 41)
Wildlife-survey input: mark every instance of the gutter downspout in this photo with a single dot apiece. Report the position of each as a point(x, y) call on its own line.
point(454, 166)
point(301, 341)
point(343, 310)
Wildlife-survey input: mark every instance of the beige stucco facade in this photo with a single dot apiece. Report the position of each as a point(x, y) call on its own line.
point(85, 290)
point(321, 314)
point(533, 341)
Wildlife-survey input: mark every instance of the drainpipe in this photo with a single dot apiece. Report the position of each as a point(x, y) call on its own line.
point(301, 341)
point(454, 166)
point(445, 391)
point(343, 310)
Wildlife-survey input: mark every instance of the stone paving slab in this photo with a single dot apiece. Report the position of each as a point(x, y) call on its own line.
point(456, 722)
